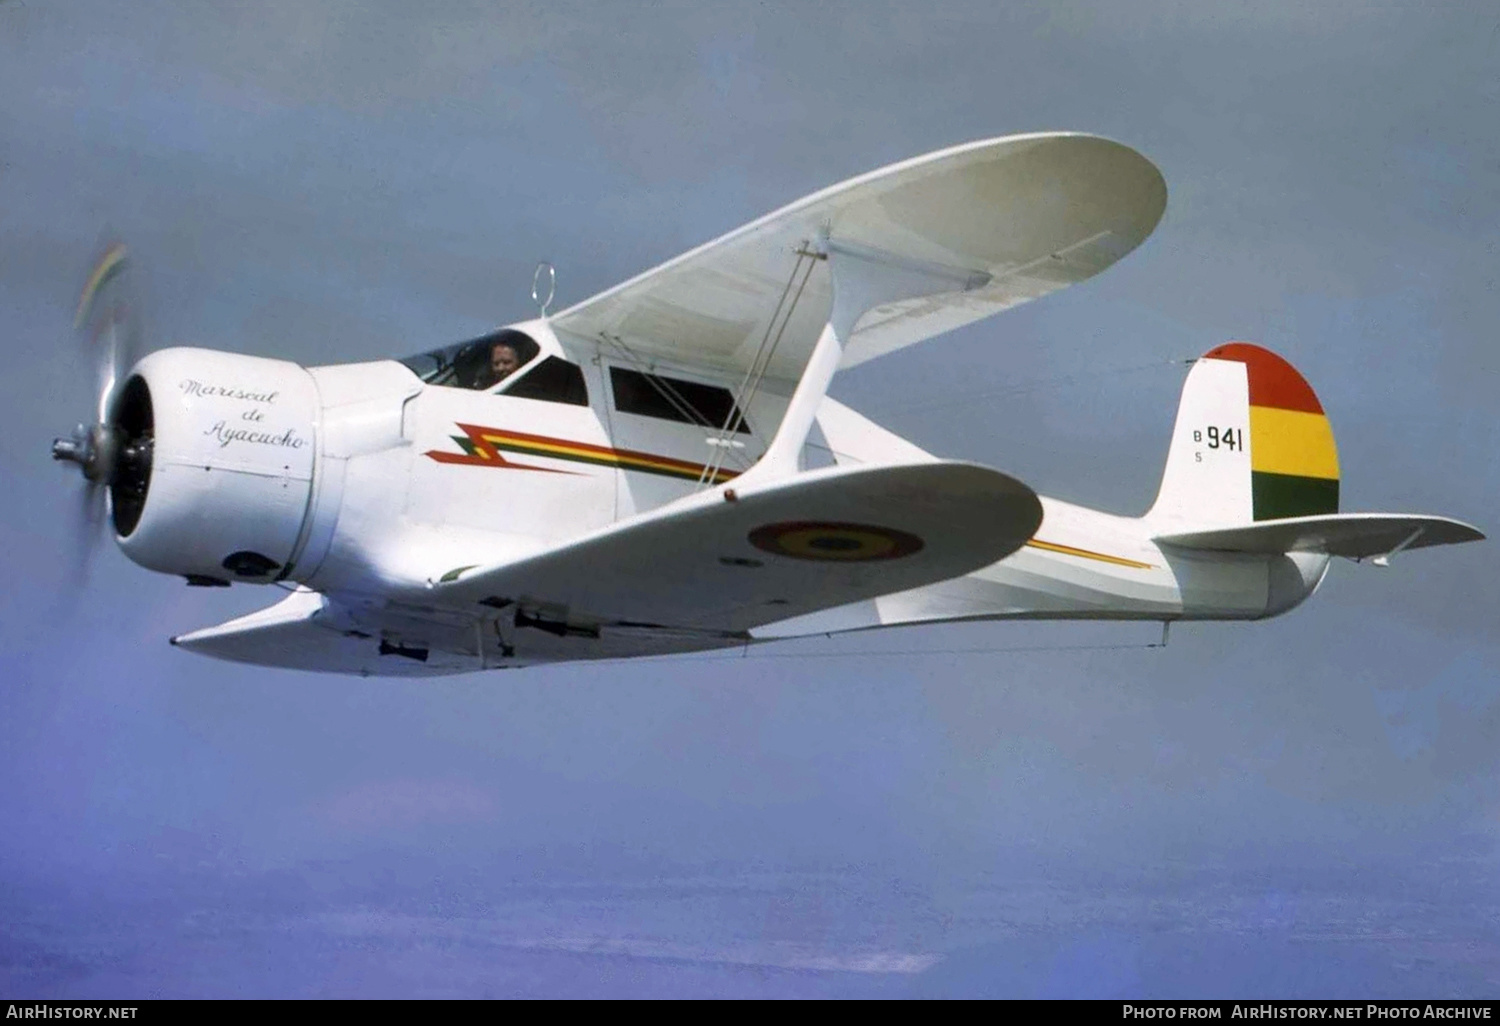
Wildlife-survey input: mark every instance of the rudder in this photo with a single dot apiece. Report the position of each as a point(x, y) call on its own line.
point(1251, 443)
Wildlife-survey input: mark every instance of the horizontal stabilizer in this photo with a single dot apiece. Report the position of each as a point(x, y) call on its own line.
point(727, 560)
point(1351, 535)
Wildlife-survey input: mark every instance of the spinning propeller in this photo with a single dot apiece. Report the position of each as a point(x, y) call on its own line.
point(113, 453)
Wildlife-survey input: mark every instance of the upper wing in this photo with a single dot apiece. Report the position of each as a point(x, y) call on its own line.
point(1353, 535)
point(820, 539)
point(1018, 217)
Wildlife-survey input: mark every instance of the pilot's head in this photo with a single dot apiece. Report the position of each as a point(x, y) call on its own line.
point(504, 361)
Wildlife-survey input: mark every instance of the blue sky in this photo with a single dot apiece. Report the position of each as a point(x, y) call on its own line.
point(1291, 807)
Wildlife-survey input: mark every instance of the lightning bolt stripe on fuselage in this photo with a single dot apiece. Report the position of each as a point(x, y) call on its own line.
point(483, 447)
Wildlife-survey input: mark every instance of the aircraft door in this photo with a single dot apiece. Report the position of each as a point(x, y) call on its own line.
point(673, 432)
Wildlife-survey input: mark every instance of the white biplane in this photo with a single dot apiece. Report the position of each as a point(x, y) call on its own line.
point(629, 477)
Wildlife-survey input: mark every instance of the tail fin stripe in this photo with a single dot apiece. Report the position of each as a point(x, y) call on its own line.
point(1286, 495)
point(1273, 381)
point(1292, 442)
point(1290, 468)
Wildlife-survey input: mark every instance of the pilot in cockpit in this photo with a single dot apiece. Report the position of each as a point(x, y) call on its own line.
point(480, 363)
point(504, 361)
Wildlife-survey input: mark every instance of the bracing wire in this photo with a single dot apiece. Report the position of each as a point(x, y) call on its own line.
point(744, 654)
point(756, 371)
point(1037, 385)
point(760, 376)
point(663, 387)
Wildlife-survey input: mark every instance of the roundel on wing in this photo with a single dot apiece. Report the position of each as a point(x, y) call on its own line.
point(834, 542)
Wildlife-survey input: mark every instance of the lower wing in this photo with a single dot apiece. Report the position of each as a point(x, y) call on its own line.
point(725, 561)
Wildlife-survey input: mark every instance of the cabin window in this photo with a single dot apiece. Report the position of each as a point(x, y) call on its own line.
point(690, 402)
point(554, 380)
point(479, 364)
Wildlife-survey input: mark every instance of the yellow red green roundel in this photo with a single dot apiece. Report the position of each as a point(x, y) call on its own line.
point(1294, 464)
point(847, 543)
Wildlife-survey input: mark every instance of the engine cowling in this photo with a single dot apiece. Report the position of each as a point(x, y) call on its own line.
point(218, 457)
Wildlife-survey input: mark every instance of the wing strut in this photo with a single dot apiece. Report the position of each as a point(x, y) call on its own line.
point(863, 278)
point(756, 371)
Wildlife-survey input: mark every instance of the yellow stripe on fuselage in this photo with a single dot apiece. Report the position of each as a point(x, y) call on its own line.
point(1102, 557)
point(1292, 442)
point(557, 448)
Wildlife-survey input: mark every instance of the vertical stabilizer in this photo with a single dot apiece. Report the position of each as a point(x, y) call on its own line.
point(854, 438)
point(1251, 443)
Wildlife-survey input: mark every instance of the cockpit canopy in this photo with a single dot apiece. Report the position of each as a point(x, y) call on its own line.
point(474, 364)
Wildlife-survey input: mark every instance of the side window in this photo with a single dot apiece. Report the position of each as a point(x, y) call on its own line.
point(553, 380)
point(652, 395)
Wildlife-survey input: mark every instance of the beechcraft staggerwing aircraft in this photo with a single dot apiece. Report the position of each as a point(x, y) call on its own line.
point(630, 476)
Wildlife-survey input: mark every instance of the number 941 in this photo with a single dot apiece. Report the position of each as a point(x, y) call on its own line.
point(1222, 438)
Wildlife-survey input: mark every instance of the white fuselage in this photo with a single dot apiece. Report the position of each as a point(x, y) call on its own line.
point(402, 480)
point(1083, 564)
point(407, 511)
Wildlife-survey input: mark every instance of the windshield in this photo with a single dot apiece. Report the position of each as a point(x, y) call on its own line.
point(480, 363)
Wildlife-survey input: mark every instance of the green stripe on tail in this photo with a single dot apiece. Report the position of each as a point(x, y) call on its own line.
point(1282, 495)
